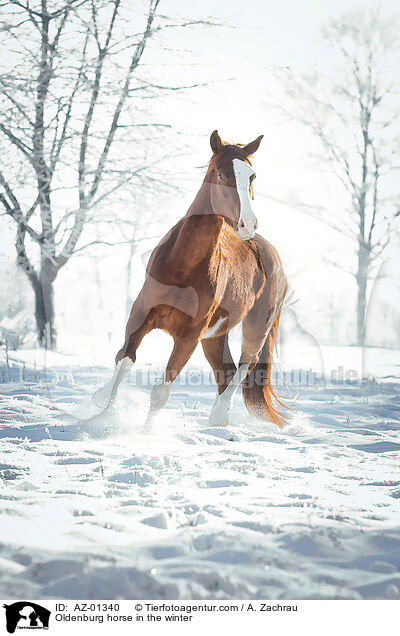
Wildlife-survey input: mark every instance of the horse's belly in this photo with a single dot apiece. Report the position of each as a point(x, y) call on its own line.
point(232, 308)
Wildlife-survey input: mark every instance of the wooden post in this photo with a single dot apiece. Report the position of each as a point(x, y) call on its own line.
point(8, 362)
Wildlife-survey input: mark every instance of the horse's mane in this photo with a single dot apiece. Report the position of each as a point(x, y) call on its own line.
point(227, 153)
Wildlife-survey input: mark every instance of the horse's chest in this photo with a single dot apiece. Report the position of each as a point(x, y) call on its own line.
point(239, 283)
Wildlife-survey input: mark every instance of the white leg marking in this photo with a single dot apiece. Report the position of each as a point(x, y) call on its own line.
point(219, 415)
point(210, 333)
point(158, 397)
point(106, 394)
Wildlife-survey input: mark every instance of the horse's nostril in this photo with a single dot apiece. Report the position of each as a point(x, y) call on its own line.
point(241, 223)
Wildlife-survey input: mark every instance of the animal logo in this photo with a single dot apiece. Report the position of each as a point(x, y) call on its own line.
point(26, 615)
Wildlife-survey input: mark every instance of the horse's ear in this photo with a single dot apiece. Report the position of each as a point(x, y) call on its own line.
point(215, 142)
point(252, 146)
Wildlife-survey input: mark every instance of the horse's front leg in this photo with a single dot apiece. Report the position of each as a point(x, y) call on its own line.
point(105, 396)
point(183, 349)
point(137, 327)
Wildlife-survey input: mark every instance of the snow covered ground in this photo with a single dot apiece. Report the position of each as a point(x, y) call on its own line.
point(98, 509)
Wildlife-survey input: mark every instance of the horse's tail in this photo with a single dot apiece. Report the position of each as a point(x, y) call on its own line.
point(259, 395)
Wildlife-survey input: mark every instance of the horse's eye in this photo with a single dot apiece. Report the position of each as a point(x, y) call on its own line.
point(220, 176)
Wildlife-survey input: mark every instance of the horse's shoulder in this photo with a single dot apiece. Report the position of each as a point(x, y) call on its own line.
point(191, 241)
point(200, 226)
point(171, 235)
point(205, 223)
point(167, 240)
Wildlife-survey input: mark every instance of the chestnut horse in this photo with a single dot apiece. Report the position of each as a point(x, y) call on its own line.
point(210, 272)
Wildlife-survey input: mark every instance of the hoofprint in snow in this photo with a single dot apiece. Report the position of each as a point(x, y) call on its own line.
point(91, 507)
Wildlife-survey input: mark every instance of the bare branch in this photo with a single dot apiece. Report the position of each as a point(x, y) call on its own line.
point(375, 195)
point(18, 106)
point(338, 265)
point(124, 93)
point(59, 144)
point(114, 243)
point(27, 152)
point(22, 257)
point(87, 198)
point(89, 114)
point(14, 210)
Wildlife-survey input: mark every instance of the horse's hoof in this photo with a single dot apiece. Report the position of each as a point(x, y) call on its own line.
point(215, 424)
point(221, 424)
point(219, 416)
point(101, 397)
point(148, 425)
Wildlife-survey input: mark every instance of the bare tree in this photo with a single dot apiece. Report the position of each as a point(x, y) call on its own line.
point(70, 125)
point(353, 111)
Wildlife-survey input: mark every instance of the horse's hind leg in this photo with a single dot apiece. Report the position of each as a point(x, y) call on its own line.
point(220, 358)
point(140, 322)
point(219, 415)
point(258, 391)
point(255, 331)
point(183, 349)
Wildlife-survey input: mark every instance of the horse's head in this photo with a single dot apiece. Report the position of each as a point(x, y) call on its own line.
point(230, 176)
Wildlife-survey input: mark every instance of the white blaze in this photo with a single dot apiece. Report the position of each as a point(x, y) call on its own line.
point(247, 220)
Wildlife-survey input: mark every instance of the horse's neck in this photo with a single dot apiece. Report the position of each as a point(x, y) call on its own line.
point(202, 202)
point(196, 234)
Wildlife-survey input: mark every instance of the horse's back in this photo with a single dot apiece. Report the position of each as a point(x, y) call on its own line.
point(272, 293)
point(268, 255)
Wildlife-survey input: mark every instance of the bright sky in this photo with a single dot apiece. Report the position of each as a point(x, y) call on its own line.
point(264, 39)
point(261, 38)
point(267, 37)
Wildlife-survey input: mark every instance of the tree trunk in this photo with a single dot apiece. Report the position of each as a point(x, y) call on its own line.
point(362, 276)
point(44, 314)
point(43, 287)
point(128, 299)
